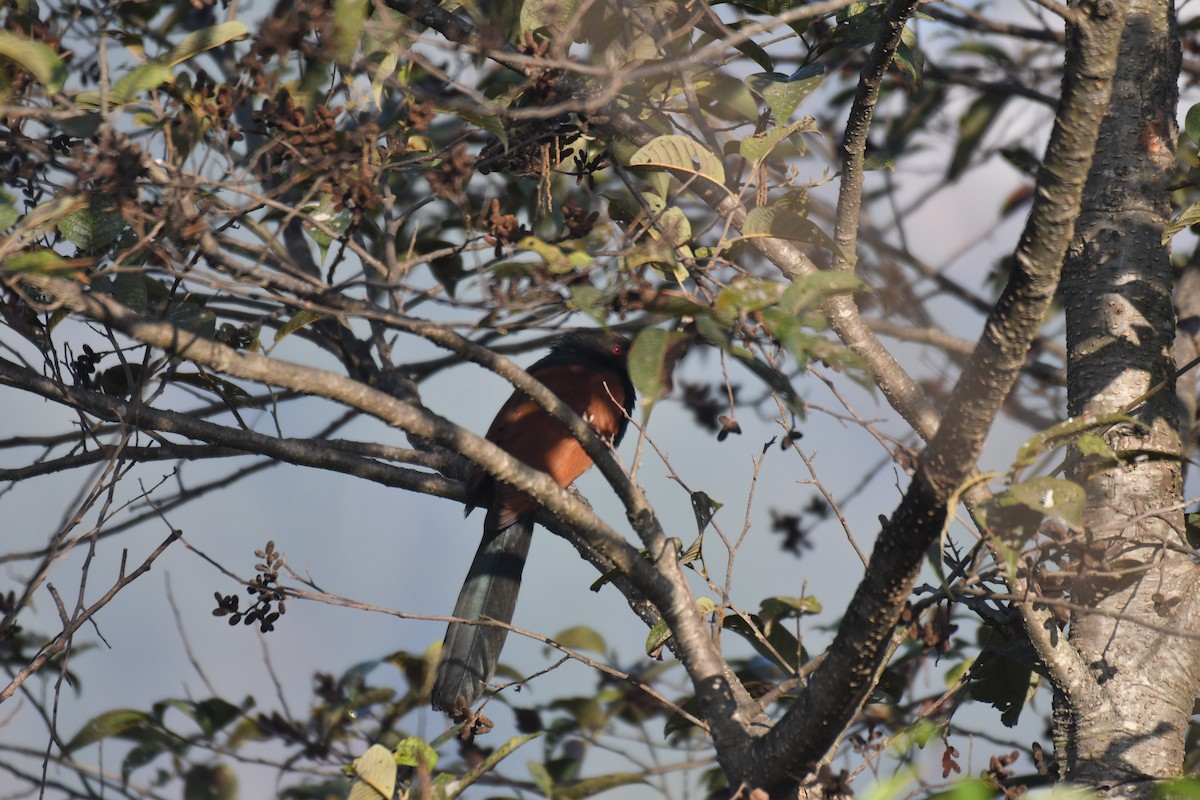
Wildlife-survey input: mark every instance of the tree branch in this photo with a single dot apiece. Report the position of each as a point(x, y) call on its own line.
point(291, 450)
point(724, 702)
point(802, 736)
point(63, 639)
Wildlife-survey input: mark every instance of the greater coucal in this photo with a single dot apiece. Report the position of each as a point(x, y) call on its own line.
point(588, 371)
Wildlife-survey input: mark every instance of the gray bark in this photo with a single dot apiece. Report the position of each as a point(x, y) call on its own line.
point(1134, 588)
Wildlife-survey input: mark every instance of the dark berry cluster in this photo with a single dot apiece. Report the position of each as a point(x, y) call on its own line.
point(269, 596)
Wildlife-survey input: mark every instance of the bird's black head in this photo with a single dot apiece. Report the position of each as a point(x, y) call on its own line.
point(609, 349)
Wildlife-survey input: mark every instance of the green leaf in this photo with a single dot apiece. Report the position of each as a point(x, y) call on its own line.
point(332, 219)
point(130, 289)
point(1089, 444)
point(349, 18)
point(41, 262)
point(204, 39)
point(587, 713)
point(214, 714)
point(106, 725)
point(673, 226)
point(987, 50)
point(780, 607)
point(299, 320)
point(858, 26)
point(387, 68)
point(892, 787)
point(757, 146)
point(120, 380)
point(42, 218)
point(910, 61)
point(1187, 218)
point(140, 79)
point(558, 261)
point(704, 508)
point(966, 789)
point(772, 377)
point(752, 49)
point(210, 782)
point(714, 331)
point(590, 300)
point(659, 635)
point(972, 126)
point(541, 778)
point(1177, 788)
point(1065, 433)
point(727, 98)
point(81, 126)
point(144, 753)
point(38, 59)
point(552, 15)
point(772, 642)
point(415, 752)
point(660, 182)
point(487, 765)
point(130, 86)
point(8, 211)
point(651, 363)
point(1003, 682)
point(1191, 124)
point(588, 787)
point(804, 347)
point(447, 269)
point(783, 223)
point(227, 390)
point(159, 71)
point(581, 637)
point(682, 153)
point(92, 229)
point(784, 93)
point(809, 291)
point(375, 771)
point(1056, 498)
point(746, 295)
point(193, 317)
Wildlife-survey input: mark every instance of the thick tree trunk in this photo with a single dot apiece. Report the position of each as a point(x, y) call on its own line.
point(1136, 581)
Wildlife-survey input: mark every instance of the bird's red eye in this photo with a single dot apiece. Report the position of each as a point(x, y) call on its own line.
point(617, 349)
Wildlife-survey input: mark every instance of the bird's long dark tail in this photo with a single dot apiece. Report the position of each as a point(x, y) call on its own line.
point(470, 652)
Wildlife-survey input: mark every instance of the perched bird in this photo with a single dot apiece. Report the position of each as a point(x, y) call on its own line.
point(588, 371)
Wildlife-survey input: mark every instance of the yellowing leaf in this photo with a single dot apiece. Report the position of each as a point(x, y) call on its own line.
point(581, 637)
point(204, 39)
point(103, 726)
point(682, 153)
point(132, 84)
point(38, 59)
point(757, 146)
point(1187, 218)
point(302, 318)
point(41, 262)
point(376, 771)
